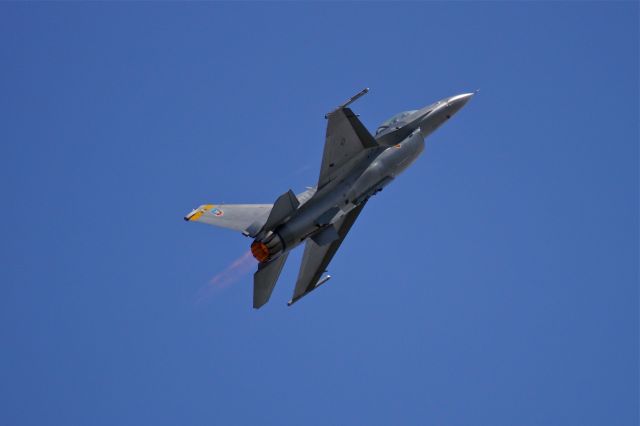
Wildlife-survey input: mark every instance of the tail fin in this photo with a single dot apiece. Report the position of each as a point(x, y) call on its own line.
point(239, 217)
point(265, 278)
point(249, 218)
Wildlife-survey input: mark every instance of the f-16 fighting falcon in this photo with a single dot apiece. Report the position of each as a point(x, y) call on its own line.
point(355, 166)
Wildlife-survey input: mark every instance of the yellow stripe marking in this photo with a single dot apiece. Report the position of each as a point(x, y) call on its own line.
point(200, 212)
point(195, 216)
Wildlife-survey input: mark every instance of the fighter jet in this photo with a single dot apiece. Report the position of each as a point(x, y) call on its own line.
point(355, 166)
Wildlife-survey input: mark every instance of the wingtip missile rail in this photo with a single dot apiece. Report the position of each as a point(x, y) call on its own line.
point(349, 101)
point(318, 284)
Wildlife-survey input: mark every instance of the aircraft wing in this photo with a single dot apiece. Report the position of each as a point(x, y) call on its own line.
point(316, 258)
point(346, 136)
point(239, 217)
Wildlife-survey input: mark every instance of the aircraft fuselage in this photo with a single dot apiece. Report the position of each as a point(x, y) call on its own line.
point(357, 180)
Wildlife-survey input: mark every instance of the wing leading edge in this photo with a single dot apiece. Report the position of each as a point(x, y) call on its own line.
point(316, 258)
point(346, 137)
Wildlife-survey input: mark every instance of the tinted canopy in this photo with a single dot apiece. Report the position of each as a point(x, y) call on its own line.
point(393, 121)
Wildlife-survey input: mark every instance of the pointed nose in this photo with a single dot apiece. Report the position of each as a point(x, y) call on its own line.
point(459, 100)
point(441, 111)
point(455, 103)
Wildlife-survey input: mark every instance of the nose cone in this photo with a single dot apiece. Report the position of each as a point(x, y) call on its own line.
point(455, 103)
point(437, 114)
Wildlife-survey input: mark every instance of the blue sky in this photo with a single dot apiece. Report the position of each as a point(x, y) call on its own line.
point(494, 283)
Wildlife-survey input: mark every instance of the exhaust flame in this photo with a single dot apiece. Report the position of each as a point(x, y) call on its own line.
point(230, 275)
point(260, 251)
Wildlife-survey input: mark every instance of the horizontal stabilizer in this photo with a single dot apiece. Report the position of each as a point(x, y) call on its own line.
point(284, 207)
point(265, 278)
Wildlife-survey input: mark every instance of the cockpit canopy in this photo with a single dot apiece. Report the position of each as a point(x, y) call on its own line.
point(395, 121)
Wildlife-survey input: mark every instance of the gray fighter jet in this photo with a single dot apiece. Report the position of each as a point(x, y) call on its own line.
point(355, 166)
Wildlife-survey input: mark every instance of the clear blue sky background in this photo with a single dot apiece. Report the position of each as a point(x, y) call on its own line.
point(494, 283)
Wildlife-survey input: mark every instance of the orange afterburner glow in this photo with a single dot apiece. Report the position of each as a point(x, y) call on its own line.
point(259, 251)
